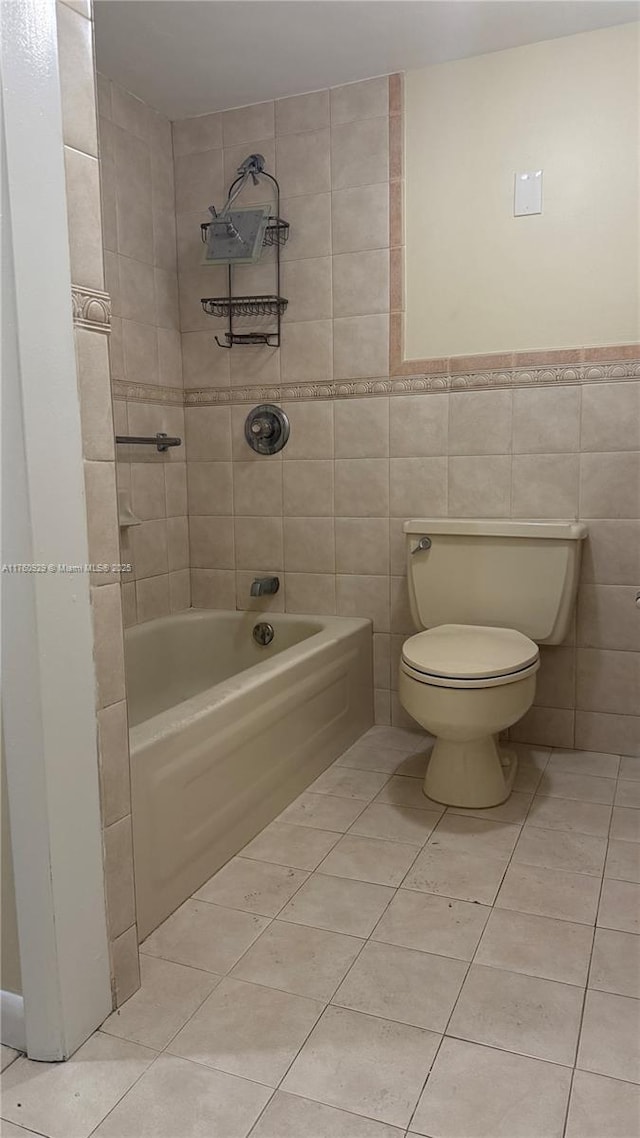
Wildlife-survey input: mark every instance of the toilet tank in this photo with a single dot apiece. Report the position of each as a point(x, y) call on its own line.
point(504, 574)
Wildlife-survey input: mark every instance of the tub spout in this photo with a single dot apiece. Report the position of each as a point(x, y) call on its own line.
point(262, 585)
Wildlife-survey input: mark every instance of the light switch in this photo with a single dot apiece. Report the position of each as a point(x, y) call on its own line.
point(527, 193)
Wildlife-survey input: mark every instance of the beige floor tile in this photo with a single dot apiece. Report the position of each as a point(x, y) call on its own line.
point(323, 812)
point(180, 1098)
point(248, 1030)
point(297, 846)
point(399, 738)
point(628, 793)
point(403, 985)
point(288, 1116)
point(601, 1106)
point(536, 946)
point(204, 936)
point(415, 766)
point(68, 1100)
point(432, 924)
point(623, 861)
point(581, 787)
point(610, 1036)
point(347, 782)
point(478, 1092)
point(8, 1056)
point(475, 835)
point(558, 849)
point(367, 1065)
point(369, 755)
point(584, 762)
point(295, 958)
point(563, 814)
point(253, 886)
point(620, 906)
point(515, 809)
point(403, 790)
point(337, 904)
point(395, 823)
point(168, 995)
point(527, 778)
point(625, 824)
point(550, 893)
point(369, 859)
point(615, 965)
point(630, 767)
point(535, 1017)
point(464, 875)
point(10, 1130)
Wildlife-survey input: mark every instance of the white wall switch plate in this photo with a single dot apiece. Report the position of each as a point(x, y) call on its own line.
point(527, 193)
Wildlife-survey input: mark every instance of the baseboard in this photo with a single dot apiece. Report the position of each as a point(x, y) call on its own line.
point(12, 1021)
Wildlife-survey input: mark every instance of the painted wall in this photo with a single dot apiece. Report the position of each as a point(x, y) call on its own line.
point(10, 976)
point(479, 279)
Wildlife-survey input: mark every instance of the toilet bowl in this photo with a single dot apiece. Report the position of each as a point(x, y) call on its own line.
point(465, 684)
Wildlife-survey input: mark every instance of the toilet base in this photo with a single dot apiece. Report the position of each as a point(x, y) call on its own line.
point(474, 774)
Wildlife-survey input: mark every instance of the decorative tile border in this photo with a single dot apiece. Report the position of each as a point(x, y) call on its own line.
point(91, 309)
point(146, 392)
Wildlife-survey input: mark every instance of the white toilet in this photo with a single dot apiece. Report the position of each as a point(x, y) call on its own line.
point(487, 592)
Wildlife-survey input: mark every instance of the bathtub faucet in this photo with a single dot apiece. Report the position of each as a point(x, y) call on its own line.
point(262, 585)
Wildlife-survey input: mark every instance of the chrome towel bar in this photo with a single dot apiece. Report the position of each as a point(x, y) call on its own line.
point(162, 441)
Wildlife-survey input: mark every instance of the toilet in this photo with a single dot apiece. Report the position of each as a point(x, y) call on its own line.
point(486, 593)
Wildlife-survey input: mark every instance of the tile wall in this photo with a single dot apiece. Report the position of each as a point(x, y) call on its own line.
point(146, 356)
point(91, 318)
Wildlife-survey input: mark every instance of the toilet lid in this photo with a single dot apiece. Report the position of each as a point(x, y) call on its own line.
point(467, 651)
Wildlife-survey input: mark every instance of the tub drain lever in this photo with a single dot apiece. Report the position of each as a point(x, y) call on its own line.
point(263, 633)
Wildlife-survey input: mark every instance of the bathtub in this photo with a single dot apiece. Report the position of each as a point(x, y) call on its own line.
point(224, 733)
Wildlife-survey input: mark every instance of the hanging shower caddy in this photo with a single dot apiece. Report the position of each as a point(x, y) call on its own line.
point(275, 235)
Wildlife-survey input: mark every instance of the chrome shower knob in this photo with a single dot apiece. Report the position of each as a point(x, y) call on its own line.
point(266, 429)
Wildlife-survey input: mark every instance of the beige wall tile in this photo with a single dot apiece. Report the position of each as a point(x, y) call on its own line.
point(418, 487)
point(210, 488)
point(257, 488)
point(149, 548)
point(309, 545)
point(361, 487)
point(134, 206)
point(213, 589)
point(617, 734)
point(125, 965)
point(259, 544)
point(302, 112)
point(113, 741)
point(108, 649)
point(545, 486)
point(418, 426)
point(199, 181)
point(118, 866)
point(129, 607)
point(164, 239)
point(360, 347)
point(195, 282)
point(85, 227)
point(311, 430)
point(307, 284)
point(148, 498)
point(546, 420)
point(130, 113)
point(102, 518)
point(255, 364)
point(179, 590)
point(235, 155)
point(92, 362)
point(140, 350)
point(479, 486)
point(211, 543)
point(204, 364)
point(364, 596)
point(556, 679)
point(608, 618)
point(610, 485)
point(310, 219)
point(608, 681)
point(362, 545)
point(610, 416)
point(361, 428)
point(75, 57)
point(480, 422)
point(167, 310)
point(303, 164)
point(245, 123)
point(152, 597)
point(306, 354)
point(311, 593)
point(103, 95)
point(546, 727)
point(193, 136)
point(361, 283)
point(359, 153)
point(189, 247)
point(381, 660)
point(364, 100)
point(360, 218)
point(148, 419)
point(169, 357)
point(381, 707)
point(401, 619)
point(208, 431)
point(175, 483)
point(397, 547)
point(611, 553)
point(178, 543)
point(308, 488)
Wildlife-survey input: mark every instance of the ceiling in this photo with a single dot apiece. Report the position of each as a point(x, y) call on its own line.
point(188, 57)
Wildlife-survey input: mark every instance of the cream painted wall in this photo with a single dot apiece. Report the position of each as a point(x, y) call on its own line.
point(478, 279)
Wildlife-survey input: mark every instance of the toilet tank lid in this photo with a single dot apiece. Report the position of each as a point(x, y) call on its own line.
point(494, 527)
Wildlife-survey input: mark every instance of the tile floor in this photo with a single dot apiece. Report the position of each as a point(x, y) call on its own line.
point(374, 966)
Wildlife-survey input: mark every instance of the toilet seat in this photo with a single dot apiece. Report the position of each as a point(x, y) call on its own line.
point(469, 656)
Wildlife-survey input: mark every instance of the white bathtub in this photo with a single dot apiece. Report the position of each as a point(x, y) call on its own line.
point(225, 733)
